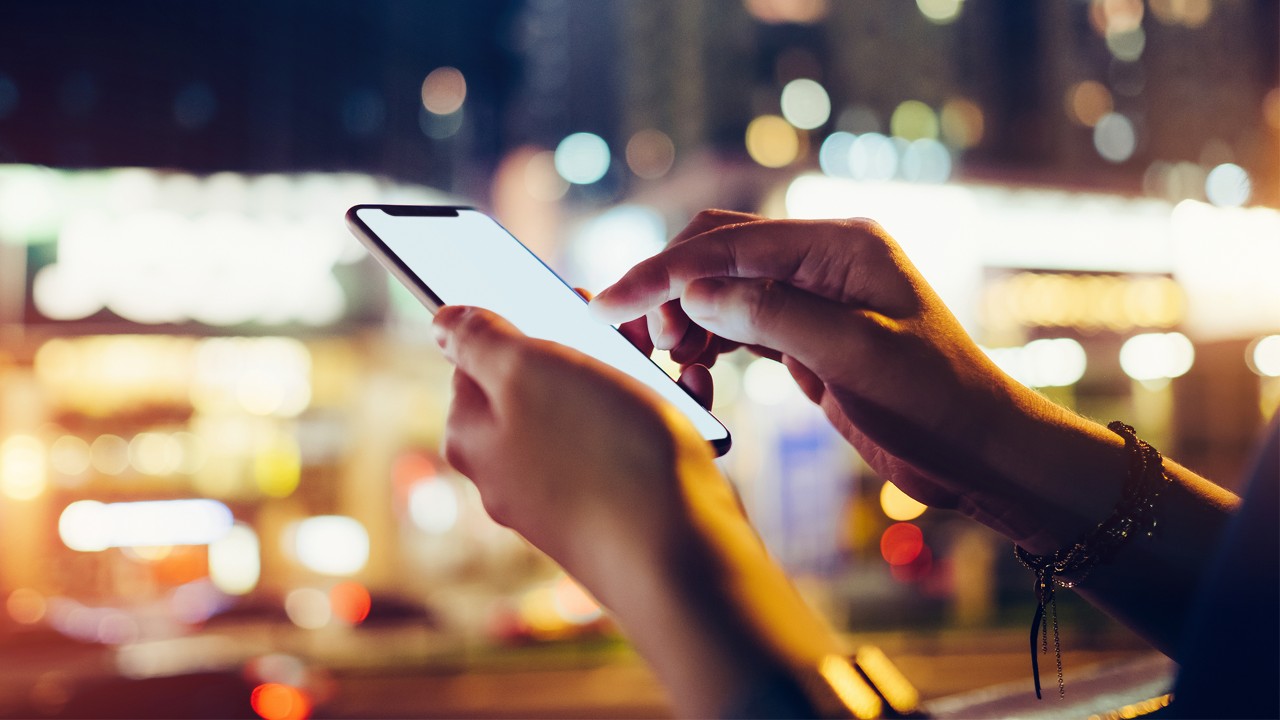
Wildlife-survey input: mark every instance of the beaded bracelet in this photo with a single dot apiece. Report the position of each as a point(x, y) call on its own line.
point(1133, 515)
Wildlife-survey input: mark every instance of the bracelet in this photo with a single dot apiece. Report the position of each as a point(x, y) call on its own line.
point(1133, 515)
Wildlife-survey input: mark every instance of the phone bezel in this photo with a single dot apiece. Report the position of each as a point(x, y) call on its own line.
point(427, 296)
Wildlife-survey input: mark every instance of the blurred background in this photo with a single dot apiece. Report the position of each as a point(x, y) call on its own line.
point(221, 492)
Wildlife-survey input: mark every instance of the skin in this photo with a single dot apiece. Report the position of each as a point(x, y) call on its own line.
point(564, 449)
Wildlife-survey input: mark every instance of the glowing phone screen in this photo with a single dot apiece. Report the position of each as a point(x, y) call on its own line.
point(469, 259)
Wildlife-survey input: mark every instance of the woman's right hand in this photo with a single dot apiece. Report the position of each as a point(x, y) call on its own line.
point(867, 339)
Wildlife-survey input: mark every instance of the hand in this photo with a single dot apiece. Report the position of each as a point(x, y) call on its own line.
point(867, 339)
point(619, 488)
point(561, 446)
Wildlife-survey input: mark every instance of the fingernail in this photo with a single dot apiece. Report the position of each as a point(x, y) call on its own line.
point(441, 335)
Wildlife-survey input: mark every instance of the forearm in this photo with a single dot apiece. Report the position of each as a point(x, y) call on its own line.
point(710, 611)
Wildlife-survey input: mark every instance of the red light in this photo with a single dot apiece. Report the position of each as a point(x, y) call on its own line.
point(901, 543)
point(273, 701)
point(350, 601)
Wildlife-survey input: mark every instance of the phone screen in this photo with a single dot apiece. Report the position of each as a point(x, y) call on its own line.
point(461, 256)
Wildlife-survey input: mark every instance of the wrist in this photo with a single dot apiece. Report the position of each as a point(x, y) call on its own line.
point(1062, 473)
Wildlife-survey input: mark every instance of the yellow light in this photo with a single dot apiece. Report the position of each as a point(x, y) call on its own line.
point(772, 141)
point(852, 690)
point(940, 12)
point(23, 473)
point(892, 684)
point(277, 468)
point(444, 90)
point(69, 455)
point(913, 120)
point(962, 123)
point(899, 505)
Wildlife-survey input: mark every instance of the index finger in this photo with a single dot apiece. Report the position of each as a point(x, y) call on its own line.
point(836, 260)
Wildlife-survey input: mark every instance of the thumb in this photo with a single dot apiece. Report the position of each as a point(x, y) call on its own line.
point(821, 334)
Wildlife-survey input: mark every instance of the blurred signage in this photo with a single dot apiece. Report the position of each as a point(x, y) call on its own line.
point(144, 247)
point(1089, 302)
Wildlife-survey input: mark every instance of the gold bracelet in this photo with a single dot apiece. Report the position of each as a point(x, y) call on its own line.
point(1133, 515)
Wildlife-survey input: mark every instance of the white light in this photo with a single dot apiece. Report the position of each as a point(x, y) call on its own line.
point(582, 158)
point(833, 156)
point(926, 160)
point(1056, 362)
point(611, 244)
point(90, 526)
point(331, 544)
point(768, 382)
point(873, 156)
point(805, 104)
point(433, 506)
point(1228, 185)
point(1157, 356)
point(235, 560)
point(1266, 356)
point(1114, 138)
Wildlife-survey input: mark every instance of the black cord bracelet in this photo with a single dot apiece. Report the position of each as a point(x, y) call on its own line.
point(1133, 515)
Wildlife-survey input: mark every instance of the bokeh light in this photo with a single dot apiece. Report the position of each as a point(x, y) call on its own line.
point(444, 90)
point(573, 603)
point(650, 153)
point(273, 701)
point(940, 12)
point(805, 104)
point(1114, 137)
point(901, 543)
point(898, 505)
point(873, 156)
point(1188, 13)
point(91, 526)
point(1263, 356)
point(914, 120)
point(1157, 356)
point(350, 602)
point(787, 11)
point(926, 160)
point(69, 455)
point(541, 179)
point(582, 158)
point(768, 382)
point(308, 608)
point(26, 606)
point(833, 154)
point(1128, 45)
point(433, 506)
point(23, 469)
point(1088, 102)
point(772, 141)
point(1228, 185)
point(1115, 16)
point(331, 544)
point(962, 123)
point(235, 562)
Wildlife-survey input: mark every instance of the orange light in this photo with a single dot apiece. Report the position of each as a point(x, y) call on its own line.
point(273, 701)
point(901, 543)
point(350, 602)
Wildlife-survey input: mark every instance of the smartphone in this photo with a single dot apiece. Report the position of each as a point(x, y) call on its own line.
point(460, 256)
